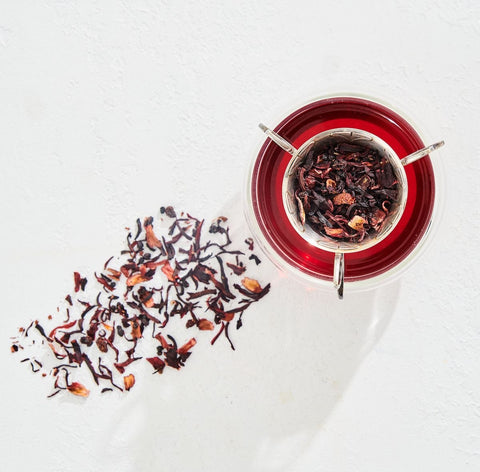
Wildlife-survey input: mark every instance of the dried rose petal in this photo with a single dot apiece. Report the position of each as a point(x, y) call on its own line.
point(357, 223)
point(129, 381)
point(205, 325)
point(252, 285)
point(78, 389)
point(343, 198)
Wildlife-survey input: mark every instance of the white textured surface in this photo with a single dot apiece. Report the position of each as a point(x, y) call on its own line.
point(110, 109)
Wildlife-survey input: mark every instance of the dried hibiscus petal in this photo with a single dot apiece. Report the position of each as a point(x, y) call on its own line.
point(114, 321)
point(79, 281)
point(335, 232)
point(377, 217)
point(301, 210)
point(187, 346)
point(168, 270)
point(152, 240)
point(238, 270)
point(157, 364)
point(343, 198)
point(137, 279)
point(205, 325)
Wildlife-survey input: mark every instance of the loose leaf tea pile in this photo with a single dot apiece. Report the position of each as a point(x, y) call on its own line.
point(156, 279)
point(345, 191)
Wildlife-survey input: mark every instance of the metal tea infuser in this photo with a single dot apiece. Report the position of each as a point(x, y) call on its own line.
point(337, 136)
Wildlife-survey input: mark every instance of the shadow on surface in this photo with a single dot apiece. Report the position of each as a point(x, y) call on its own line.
point(256, 408)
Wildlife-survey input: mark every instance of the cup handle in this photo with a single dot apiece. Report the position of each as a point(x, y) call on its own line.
point(338, 273)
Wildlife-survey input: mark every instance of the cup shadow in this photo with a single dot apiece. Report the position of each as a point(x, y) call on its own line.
point(256, 408)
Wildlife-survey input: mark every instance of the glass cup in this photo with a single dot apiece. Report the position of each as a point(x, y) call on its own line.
point(271, 206)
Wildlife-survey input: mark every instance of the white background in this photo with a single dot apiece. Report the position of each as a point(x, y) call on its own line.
point(110, 109)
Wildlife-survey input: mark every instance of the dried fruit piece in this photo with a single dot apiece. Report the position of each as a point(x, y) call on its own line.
point(78, 389)
point(252, 285)
point(331, 185)
point(357, 223)
point(343, 198)
point(129, 381)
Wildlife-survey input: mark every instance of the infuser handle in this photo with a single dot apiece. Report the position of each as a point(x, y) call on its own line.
point(277, 139)
point(421, 153)
point(339, 273)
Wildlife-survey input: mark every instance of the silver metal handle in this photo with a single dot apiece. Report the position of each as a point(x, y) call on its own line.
point(339, 273)
point(277, 139)
point(422, 153)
